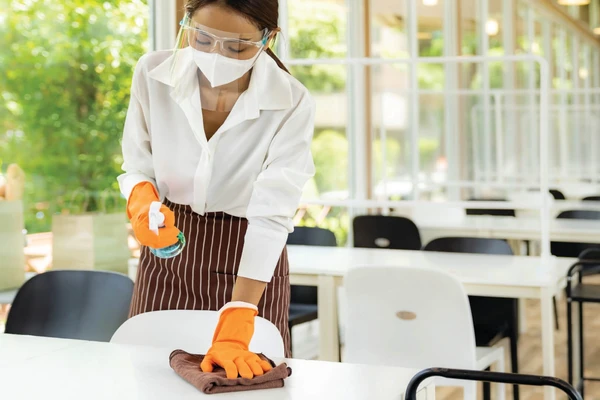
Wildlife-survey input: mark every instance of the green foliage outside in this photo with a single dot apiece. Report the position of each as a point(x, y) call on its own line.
point(64, 97)
point(317, 30)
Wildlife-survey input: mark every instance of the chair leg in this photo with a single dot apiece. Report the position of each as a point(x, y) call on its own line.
point(500, 387)
point(339, 346)
point(487, 392)
point(514, 363)
point(581, 373)
point(569, 342)
point(514, 352)
point(556, 324)
point(470, 391)
point(291, 341)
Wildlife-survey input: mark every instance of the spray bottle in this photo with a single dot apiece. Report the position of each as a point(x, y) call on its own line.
point(157, 220)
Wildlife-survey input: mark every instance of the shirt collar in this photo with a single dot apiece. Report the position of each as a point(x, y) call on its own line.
point(269, 88)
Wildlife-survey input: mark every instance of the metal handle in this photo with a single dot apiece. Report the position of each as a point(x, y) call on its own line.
point(487, 376)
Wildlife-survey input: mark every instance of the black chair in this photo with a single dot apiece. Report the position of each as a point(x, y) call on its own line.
point(557, 194)
point(591, 198)
point(580, 292)
point(469, 245)
point(511, 213)
point(490, 211)
point(304, 299)
point(493, 318)
point(87, 305)
point(568, 249)
point(487, 376)
point(385, 232)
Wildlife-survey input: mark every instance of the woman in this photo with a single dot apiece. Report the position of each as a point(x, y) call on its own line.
point(219, 132)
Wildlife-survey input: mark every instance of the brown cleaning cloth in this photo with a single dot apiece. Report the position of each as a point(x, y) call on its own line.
point(187, 366)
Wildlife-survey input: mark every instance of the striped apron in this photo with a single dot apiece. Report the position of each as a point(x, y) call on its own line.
point(203, 275)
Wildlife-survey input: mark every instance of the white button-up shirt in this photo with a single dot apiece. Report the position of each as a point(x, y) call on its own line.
point(255, 166)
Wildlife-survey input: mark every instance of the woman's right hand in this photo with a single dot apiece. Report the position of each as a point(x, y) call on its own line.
point(138, 209)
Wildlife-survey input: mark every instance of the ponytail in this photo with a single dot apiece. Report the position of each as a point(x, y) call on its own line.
point(277, 60)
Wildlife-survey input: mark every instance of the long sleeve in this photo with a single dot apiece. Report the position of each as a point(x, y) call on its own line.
point(137, 153)
point(277, 193)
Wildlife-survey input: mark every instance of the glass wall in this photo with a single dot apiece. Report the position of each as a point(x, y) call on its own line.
point(64, 91)
point(388, 126)
point(410, 128)
point(318, 30)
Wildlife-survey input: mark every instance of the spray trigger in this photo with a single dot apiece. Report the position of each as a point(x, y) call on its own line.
point(155, 217)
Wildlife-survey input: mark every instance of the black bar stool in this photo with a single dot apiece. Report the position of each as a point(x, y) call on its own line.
point(487, 376)
point(588, 264)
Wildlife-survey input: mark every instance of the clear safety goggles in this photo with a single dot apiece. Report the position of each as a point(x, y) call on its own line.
point(241, 46)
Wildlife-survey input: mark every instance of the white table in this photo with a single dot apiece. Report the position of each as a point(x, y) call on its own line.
point(44, 368)
point(7, 296)
point(519, 228)
point(483, 275)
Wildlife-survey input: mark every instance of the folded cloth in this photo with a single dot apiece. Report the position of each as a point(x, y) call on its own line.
point(187, 366)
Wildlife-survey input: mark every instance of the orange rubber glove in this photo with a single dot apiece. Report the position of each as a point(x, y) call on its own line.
point(232, 337)
point(138, 208)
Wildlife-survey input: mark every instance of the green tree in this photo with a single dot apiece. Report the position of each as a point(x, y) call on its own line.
point(330, 154)
point(64, 95)
point(318, 30)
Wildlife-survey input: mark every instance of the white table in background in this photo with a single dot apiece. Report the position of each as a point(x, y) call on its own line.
point(513, 228)
point(7, 296)
point(49, 369)
point(563, 205)
point(481, 275)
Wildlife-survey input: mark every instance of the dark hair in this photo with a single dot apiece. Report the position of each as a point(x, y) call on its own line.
point(262, 13)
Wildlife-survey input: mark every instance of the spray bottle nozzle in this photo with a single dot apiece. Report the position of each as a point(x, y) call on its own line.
point(155, 217)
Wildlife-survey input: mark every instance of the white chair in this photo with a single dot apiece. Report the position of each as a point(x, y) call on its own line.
point(413, 318)
point(192, 331)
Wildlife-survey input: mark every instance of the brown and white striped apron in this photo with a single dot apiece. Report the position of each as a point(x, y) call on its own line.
point(203, 275)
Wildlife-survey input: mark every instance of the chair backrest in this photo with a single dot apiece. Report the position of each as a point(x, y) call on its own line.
point(312, 236)
point(579, 214)
point(590, 254)
point(192, 331)
point(591, 198)
point(470, 245)
point(557, 194)
point(87, 305)
point(309, 236)
point(489, 211)
point(388, 232)
point(408, 317)
point(573, 249)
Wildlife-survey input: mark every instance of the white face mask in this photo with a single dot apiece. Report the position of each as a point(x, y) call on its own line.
point(220, 70)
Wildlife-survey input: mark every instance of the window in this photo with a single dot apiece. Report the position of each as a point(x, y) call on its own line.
point(317, 30)
point(64, 98)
